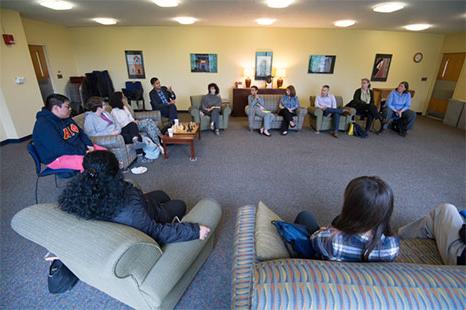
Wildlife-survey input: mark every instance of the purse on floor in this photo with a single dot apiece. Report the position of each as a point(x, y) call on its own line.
point(60, 278)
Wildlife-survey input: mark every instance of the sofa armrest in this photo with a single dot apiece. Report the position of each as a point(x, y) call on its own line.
point(178, 257)
point(315, 111)
point(196, 114)
point(154, 115)
point(226, 109)
point(110, 141)
point(301, 112)
point(244, 258)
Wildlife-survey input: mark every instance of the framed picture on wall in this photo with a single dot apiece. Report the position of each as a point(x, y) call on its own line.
point(135, 65)
point(263, 65)
point(381, 67)
point(206, 63)
point(323, 64)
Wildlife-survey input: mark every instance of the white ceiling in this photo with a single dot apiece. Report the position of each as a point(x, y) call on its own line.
point(445, 15)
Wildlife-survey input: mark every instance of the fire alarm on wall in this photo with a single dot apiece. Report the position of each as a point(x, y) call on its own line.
point(8, 39)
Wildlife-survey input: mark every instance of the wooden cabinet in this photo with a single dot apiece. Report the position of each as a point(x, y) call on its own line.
point(240, 98)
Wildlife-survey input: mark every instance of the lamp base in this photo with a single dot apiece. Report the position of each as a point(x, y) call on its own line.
point(279, 83)
point(247, 82)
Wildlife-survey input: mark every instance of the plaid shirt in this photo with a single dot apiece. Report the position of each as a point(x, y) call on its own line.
point(333, 244)
point(162, 97)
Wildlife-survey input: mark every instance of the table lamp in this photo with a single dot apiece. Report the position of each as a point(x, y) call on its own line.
point(247, 76)
point(281, 74)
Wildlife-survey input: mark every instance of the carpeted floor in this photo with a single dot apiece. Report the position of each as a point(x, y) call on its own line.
point(300, 171)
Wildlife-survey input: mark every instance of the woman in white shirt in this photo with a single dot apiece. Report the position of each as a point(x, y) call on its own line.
point(328, 104)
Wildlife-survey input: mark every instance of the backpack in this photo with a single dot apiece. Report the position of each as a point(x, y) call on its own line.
point(358, 131)
point(296, 239)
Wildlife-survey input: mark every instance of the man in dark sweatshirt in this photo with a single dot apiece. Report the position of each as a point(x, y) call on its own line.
point(59, 141)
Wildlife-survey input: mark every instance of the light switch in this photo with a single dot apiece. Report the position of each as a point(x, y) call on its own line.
point(20, 80)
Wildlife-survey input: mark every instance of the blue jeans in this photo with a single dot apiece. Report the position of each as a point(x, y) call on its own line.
point(336, 113)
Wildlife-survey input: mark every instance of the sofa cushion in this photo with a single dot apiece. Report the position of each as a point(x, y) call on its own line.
point(419, 251)
point(269, 244)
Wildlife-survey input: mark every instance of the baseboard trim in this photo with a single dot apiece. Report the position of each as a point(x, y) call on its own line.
point(14, 141)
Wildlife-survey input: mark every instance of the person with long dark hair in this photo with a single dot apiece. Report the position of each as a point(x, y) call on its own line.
point(101, 193)
point(287, 106)
point(363, 103)
point(362, 231)
point(211, 105)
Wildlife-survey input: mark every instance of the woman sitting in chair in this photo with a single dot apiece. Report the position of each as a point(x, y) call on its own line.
point(101, 193)
point(256, 106)
point(211, 105)
point(287, 108)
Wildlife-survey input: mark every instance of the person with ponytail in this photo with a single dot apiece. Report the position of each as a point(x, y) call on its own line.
point(362, 232)
point(101, 193)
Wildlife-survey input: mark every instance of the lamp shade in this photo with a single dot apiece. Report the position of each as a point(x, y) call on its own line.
point(281, 72)
point(247, 72)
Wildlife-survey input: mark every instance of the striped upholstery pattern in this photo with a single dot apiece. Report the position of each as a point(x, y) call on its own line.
point(271, 104)
point(309, 284)
point(419, 251)
point(244, 258)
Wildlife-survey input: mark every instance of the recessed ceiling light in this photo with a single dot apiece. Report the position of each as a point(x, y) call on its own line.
point(56, 4)
point(279, 4)
point(105, 20)
point(344, 23)
point(388, 7)
point(265, 21)
point(185, 20)
point(166, 3)
point(417, 27)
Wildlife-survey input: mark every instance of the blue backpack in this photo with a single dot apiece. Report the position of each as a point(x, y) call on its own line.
point(358, 131)
point(296, 239)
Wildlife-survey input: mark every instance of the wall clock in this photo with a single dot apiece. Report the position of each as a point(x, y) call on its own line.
point(418, 57)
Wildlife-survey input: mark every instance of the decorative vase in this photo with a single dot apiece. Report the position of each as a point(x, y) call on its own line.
point(279, 82)
point(247, 82)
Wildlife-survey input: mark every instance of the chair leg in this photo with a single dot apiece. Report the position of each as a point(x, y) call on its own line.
point(37, 183)
point(56, 182)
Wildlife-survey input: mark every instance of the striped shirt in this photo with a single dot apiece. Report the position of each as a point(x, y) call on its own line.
point(333, 244)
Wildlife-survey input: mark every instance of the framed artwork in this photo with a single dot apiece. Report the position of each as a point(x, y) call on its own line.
point(263, 65)
point(135, 65)
point(381, 67)
point(206, 63)
point(323, 64)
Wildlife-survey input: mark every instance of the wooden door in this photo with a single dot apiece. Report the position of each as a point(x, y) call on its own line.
point(39, 61)
point(447, 77)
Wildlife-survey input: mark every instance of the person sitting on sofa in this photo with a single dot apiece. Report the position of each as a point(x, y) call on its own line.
point(363, 103)
point(163, 99)
point(256, 104)
point(397, 110)
point(101, 193)
point(362, 232)
point(123, 117)
point(328, 104)
point(288, 105)
point(98, 122)
point(59, 141)
point(211, 105)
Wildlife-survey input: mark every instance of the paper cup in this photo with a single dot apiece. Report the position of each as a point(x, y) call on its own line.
point(176, 121)
point(170, 132)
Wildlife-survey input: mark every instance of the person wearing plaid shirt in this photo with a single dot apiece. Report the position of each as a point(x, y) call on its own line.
point(362, 231)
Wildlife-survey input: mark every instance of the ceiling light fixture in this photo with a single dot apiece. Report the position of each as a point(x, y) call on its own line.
point(388, 7)
point(105, 20)
point(167, 3)
point(417, 27)
point(56, 5)
point(344, 23)
point(265, 21)
point(279, 4)
point(185, 20)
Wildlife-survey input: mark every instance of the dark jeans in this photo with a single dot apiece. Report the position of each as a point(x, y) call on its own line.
point(214, 116)
point(308, 220)
point(368, 110)
point(336, 113)
point(287, 118)
point(129, 132)
point(408, 117)
point(167, 110)
point(162, 209)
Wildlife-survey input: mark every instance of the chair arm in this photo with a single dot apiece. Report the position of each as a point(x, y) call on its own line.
point(110, 141)
point(315, 111)
point(301, 112)
point(226, 109)
point(178, 257)
point(196, 114)
point(155, 115)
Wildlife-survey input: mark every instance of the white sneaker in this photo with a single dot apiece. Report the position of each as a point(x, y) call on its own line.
point(139, 170)
point(212, 126)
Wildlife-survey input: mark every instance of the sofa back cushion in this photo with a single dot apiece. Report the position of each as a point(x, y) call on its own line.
point(311, 284)
point(271, 102)
point(196, 101)
point(338, 99)
point(97, 252)
point(79, 119)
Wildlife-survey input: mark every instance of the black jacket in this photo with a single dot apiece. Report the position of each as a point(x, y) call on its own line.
point(357, 97)
point(155, 99)
point(134, 214)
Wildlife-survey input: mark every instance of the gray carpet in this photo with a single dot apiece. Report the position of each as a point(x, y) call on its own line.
point(300, 171)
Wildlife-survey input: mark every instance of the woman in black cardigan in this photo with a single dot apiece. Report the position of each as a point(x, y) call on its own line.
point(363, 102)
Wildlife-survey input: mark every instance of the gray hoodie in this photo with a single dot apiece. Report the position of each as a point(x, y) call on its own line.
point(95, 125)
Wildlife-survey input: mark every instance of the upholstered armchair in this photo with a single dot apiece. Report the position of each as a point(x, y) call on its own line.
point(321, 123)
point(204, 120)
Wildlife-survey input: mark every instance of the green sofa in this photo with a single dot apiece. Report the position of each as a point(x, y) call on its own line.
point(204, 120)
point(321, 123)
point(120, 260)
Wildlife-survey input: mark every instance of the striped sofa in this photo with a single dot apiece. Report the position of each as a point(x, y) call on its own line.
point(416, 281)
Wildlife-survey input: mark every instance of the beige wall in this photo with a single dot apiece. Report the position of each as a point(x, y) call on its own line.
point(19, 103)
point(59, 53)
point(456, 43)
point(166, 55)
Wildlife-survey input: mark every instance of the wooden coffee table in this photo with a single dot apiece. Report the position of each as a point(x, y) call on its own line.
point(183, 136)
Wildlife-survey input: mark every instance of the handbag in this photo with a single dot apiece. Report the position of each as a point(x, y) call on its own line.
point(60, 278)
point(151, 150)
point(296, 239)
